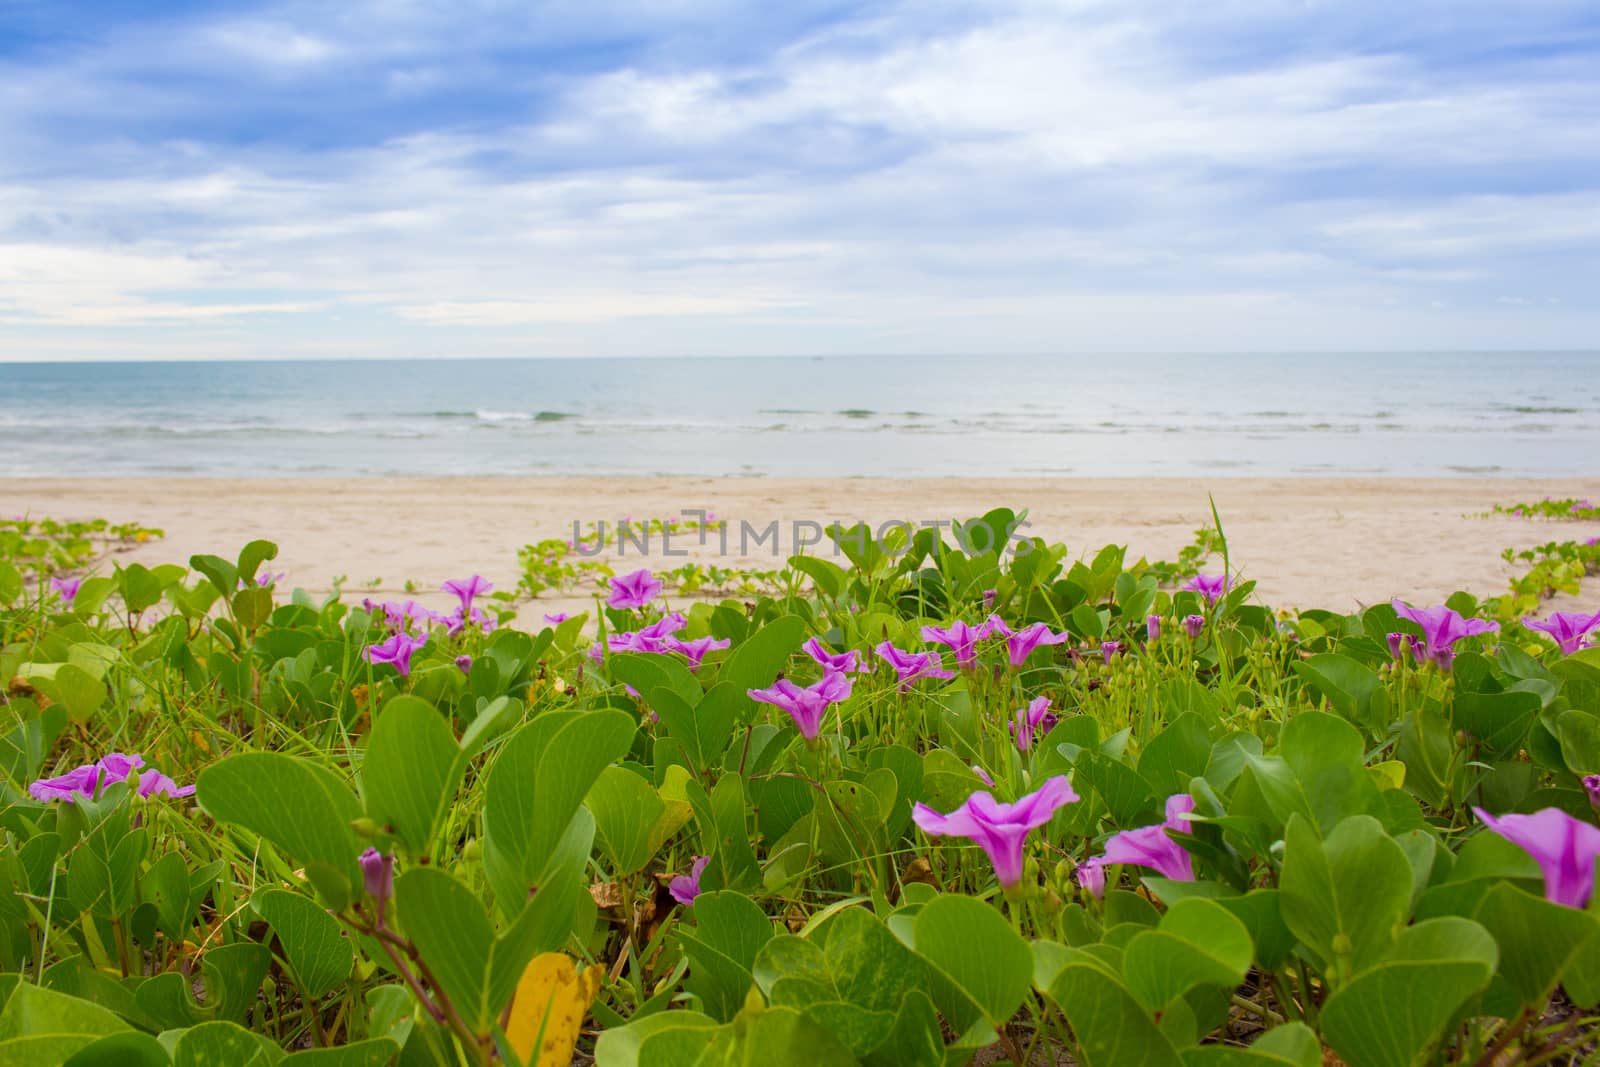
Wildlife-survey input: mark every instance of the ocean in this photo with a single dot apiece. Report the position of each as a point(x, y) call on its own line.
point(1402, 414)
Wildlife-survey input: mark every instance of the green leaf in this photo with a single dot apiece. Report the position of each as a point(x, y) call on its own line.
point(1288, 1045)
point(625, 810)
point(972, 945)
point(1344, 897)
point(297, 805)
point(478, 970)
point(131, 1049)
point(411, 770)
point(318, 953)
point(1350, 686)
point(756, 661)
point(535, 788)
point(1198, 943)
point(40, 1026)
point(1112, 1030)
point(251, 557)
point(1393, 1013)
point(378, 1052)
point(729, 932)
point(210, 1044)
point(1538, 939)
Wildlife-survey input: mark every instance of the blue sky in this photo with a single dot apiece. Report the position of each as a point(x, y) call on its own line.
point(638, 177)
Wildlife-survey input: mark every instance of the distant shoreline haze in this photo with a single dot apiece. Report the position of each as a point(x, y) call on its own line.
point(1338, 414)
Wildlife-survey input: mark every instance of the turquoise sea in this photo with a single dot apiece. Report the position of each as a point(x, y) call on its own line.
point(1417, 414)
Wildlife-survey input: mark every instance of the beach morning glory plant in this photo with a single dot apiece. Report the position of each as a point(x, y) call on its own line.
point(66, 588)
point(685, 887)
point(912, 665)
point(961, 638)
point(89, 779)
point(635, 590)
point(1022, 643)
point(999, 828)
point(1441, 627)
point(806, 704)
point(396, 651)
point(1566, 628)
point(1031, 722)
point(1565, 849)
point(846, 662)
point(1210, 586)
point(1148, 846)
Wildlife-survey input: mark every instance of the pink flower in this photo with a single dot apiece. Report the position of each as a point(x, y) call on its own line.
point(999, 829)
point(805, 705)
point(1210, 586)
point(1565, 849)
point(634, 590)
point(1031, 722)
point(396, 651)
point(685, 887)
point(844, 662)
point(912, 665)
point(1109, 649)
point(1193, 625)
point(1566, 628)
point(696, 649)
point(66, 588)
point(1441, 627)
point(1150, 846)
point(961, 638)
point(89, 779)
point(1022, 643)
point(1152, 627)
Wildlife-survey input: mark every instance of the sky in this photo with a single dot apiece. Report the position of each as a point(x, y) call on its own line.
point(370, 179)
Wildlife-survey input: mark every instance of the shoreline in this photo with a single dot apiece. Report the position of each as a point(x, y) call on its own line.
point(1308, 541)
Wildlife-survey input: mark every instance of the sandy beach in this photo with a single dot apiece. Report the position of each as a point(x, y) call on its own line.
point(1335, 543)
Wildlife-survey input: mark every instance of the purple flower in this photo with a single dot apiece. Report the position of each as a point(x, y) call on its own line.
point(1591, 785)
point(377, 873)
point(396, 651)
point(983, 775)
point(1033, 721)
point(961, 639)
point(999, 829)
point(1210, 586)
point(1149, 846)
point(1152, 627)
point(464, 663)
point(844, 662)
point(696, 650)
point(556, 618)
point(912, 665)
point(1020, 644)
point(1091, 875)
point(1593, 541)
point(634, 590)
point(805, 705)
point(1565, 849)
point(1193, 625)
point(685, 887)
point(466, 589)
point(400, 616)
point(267, 578)
point(1442, 627)
point(1567, 628)
point(657, 637)
point(66, 588)
point(1109, 649)
point(1398, 644)
point(989, 596)
point(114, 767)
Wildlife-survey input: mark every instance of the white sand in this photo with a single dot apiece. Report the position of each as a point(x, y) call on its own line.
point(1334, 543)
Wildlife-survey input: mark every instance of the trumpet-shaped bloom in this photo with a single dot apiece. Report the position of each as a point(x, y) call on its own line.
point(1149, 846)
point(66, 588)
point(465, 589)
point(912, 665)
point(89, 779)
point(1193, 625)
point(556, 618)
point(1022, 643)
point(1566, 628)
point(997, 828)
point(1091, 874)
point(1591, 786)
point(1109, 649)
point(1031, 722)
point(1565, 849)
point(807, 704)
point(843, 662)
point(657, 637)
point(961, 638)
point(464, 663)
point(396, 651)
point(1210, 586)
point(634, 590)
point(685, 887)
point(696, 649)
point(1152, 627)
point(1442, 627)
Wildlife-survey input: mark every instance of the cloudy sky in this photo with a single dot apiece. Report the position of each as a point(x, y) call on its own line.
point(640, 177)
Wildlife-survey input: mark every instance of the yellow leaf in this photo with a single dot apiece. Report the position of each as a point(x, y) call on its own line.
point(551, 997)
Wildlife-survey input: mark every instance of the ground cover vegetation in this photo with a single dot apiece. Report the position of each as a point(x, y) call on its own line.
point(918, 799)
